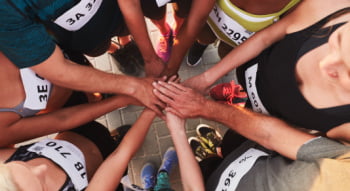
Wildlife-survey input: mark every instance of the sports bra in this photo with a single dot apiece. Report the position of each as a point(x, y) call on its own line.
point(272, 87)
point(37, 92)
point(63, 154)
point(234, 25)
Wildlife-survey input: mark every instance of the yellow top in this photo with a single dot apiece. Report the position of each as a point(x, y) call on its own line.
point(233, 25)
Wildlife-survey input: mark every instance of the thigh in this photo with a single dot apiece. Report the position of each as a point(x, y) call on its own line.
point(206, 35)
point(99, 135)
point(224, 49)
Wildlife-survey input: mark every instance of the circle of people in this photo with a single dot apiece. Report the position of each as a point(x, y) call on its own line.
point(286, 111)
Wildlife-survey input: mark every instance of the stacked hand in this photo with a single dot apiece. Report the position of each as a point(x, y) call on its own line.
point(180, 100)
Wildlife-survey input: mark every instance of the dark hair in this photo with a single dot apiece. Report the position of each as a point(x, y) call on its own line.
point(319, 33)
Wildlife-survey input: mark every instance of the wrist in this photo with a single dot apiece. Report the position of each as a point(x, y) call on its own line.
point(129, 86)
point(207, 78)
point(209, 110)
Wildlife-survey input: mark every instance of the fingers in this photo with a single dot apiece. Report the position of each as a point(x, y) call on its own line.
point(175, 88)
point(174, 78)
point(162, 97)
point(179, 86)
point(163, 78)
point(165, 89)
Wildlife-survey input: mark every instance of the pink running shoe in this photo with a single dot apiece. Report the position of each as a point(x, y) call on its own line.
point(229, 93)
point(164, 46)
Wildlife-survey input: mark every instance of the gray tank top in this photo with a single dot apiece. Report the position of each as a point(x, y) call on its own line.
point(37, 91)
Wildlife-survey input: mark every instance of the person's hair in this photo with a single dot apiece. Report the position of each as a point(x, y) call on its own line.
point(6, 180)
point(336, 15)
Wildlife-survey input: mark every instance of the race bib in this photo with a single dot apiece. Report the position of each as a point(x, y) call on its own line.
point(36, 88)
point(76, 17)
point(230, 178)
point(250, 79)
point(229, 27)
point(67, 156)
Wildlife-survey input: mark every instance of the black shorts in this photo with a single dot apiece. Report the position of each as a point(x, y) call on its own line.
point(152, 11)
point(94, 131)
point(99, 135)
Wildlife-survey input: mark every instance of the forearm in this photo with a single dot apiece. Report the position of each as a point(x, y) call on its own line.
point(65, 73)
point(135, 21)
point(60, 120)
point(193, 24)
point(246, 51)
point(270, 132)
point(112, 169)
point(191, 175)
point(237, 57)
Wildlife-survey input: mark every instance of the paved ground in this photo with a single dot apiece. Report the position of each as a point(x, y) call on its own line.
point(158, 138)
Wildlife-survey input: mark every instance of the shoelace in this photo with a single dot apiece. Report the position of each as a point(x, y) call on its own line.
point(202, 151)
point(213, 139)
point(168, 164)
point(149, 182)
point(232, 92)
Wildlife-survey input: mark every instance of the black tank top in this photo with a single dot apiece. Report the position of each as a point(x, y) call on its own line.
point(277, 86)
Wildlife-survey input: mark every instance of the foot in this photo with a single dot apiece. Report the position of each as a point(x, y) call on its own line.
point(210, 136)
point(169, 160)
point(148, 176)
point(164, 46)
point(195, 53)
point(200, 150)
point(230, 93)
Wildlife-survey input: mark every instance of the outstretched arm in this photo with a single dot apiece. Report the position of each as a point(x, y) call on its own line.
point(189, 169)
point(268, 131)
point(65, 73)
point(241, 54)
point(63, 119)
point(188, 32)
point(135, 21)
point(112, 169)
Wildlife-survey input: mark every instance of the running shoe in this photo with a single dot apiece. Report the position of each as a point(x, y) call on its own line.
point(164, 46)
point(148, 176)
point(195, 53)
point(209, 136)
point(200, 150)
point(169, 160)
point(231, 93)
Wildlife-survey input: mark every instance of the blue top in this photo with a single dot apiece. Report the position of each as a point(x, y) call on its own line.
point(24, 26)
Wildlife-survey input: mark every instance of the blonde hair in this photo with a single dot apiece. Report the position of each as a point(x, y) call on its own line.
point(6, 180)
